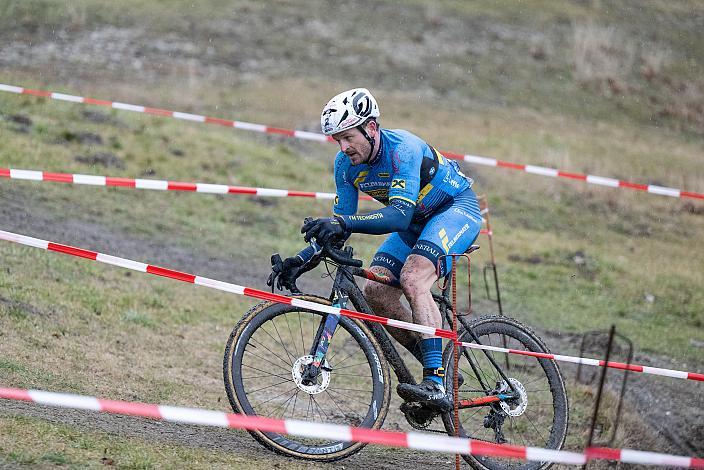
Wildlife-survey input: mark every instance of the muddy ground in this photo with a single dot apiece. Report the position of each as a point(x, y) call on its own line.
point(672, 409)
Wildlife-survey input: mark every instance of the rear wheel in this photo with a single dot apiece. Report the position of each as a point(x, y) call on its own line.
point(539, 415)
point(264, 358)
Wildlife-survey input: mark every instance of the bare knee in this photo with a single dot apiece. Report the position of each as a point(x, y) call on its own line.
point(417, 276)
point(411, 285)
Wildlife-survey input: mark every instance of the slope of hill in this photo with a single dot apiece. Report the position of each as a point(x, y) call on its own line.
point(607, 88)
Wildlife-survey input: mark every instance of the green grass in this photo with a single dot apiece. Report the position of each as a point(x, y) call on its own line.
point(502, 54)
point(68, 447)
point(571, 257)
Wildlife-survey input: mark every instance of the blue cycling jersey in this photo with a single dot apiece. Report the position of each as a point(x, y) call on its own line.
point(406, 169)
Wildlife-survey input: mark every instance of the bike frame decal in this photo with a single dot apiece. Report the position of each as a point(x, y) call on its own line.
point(325, 339)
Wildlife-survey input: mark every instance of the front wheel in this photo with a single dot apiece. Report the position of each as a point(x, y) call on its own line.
point(264, 358)
point(536, 417)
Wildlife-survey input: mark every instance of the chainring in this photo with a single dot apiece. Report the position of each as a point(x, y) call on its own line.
point(418, 416)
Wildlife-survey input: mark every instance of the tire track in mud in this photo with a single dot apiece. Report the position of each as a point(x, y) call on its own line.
point(673, 409)
point(21, 211)
point(216, 439)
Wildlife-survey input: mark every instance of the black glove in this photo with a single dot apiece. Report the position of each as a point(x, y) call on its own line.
point(325, 229)
point(285, 272)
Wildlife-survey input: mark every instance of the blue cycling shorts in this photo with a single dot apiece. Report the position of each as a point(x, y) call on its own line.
point(450, 230)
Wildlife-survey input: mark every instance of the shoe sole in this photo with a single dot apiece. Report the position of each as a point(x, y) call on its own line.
point(408, 397)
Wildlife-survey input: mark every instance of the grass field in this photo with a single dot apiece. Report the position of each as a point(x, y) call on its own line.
point(571, 257)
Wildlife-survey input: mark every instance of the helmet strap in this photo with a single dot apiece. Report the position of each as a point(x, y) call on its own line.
point(371, 141)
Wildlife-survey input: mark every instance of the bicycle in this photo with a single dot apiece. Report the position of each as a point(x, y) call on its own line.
point(340, 368)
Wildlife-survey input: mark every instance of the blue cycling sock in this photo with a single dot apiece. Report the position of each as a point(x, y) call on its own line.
point(432, 357)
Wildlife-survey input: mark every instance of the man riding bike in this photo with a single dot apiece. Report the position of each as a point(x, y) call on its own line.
point(430, 210)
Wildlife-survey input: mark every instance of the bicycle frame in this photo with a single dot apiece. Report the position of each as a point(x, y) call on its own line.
point(345, 288)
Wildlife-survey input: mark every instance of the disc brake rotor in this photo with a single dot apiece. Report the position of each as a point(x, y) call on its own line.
point(297, 372)
point(515, 407)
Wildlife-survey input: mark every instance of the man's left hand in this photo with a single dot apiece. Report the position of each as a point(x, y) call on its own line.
point(324, 229)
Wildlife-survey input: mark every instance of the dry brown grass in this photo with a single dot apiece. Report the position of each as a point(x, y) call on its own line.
point(602, 56)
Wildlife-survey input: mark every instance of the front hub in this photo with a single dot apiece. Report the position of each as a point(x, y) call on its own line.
point(299, 369)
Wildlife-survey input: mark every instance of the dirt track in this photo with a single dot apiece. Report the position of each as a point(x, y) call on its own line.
point(674, 409)
point(675, 425)
point(223, 440)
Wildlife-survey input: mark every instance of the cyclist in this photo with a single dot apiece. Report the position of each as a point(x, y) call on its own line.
point(430, 210)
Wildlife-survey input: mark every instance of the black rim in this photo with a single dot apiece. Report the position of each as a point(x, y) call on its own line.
point(543, 421)
point(262, 372)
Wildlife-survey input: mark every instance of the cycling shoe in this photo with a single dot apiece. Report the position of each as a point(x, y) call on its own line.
point(429, 393)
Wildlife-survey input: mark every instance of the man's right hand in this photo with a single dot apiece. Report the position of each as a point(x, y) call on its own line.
point(284, 273)
point(325, 229)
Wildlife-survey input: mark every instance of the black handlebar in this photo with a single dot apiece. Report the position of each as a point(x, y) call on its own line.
point(342, 257)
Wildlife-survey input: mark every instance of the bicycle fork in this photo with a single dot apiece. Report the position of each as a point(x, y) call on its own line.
point(319, 348)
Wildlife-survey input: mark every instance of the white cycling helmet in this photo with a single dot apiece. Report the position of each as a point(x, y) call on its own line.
point(349, 109)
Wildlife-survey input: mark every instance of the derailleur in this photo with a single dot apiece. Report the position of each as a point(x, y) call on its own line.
point(418, 416)
point(495, 420)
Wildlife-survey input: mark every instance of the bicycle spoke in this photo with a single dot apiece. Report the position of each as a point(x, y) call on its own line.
point(247, 351)
point(467, 418)
point(258, 343)
point(537, 430)
point(270, 374)
point(340, 362)
point(295, 400)
point(277, 396)
point(284, 405)
point(300, 325)
point(319, 408)
point(352, 390)
point(340, 408)
point(523, 441)
point(533, 381)
point(290, 356)
point(250, 377)
point(269, 386)
point(345, 396)
point(290, 333)
point(353, 365)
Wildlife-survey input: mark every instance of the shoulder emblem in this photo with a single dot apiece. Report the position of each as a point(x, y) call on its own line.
point(398, 183)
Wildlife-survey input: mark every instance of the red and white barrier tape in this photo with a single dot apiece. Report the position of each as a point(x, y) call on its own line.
point(218, 285)
point(677, 374)
point(411, 440)
point(160, 185)
point(263, 295)
point(475, 159)
point(164, 185)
